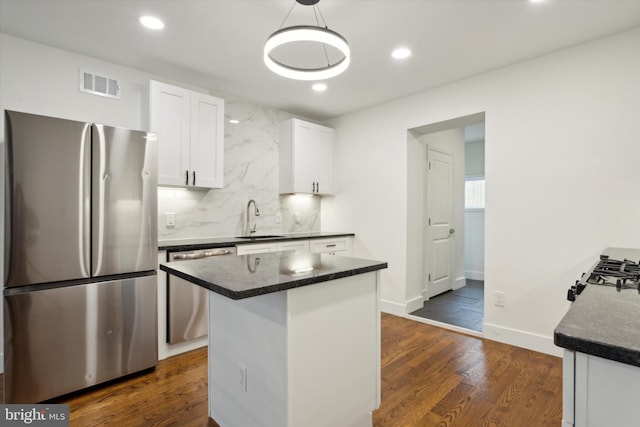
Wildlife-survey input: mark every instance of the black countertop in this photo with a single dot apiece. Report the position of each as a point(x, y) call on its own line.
point(603, 321)
point(246, 276)
point(221, 242)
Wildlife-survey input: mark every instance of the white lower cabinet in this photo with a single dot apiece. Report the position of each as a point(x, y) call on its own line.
point(599, 392)
point(333, 246)
point(256, 248)
point(293, 245)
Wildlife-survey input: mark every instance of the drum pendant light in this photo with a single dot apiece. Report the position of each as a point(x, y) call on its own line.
point(307, 33)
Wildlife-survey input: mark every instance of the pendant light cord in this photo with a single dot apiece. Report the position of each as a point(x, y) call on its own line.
point(324, 46)
point(321, 16)
point(287, 17)
point(324, 22)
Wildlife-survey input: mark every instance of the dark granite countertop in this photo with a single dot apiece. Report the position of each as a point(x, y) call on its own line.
point(603, 321)
point(221, 242)
point(246, 276)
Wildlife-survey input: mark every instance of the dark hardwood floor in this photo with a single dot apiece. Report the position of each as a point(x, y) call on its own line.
point(434, 377)
point(430, 377)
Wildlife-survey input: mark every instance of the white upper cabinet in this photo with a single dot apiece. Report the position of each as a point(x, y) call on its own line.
point(190, 128)
point(306, 157)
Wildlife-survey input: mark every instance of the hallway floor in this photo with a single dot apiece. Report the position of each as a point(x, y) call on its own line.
point(462, 307)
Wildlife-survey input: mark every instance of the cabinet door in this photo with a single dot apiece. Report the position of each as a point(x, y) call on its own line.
point(207, 141)
point(331, 245)
point(324, 159)
point(304, 157)
point(294, 245)
point(257, 248)
point(169, 118)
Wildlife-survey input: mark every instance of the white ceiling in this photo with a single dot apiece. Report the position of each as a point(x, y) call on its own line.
point(217, 44)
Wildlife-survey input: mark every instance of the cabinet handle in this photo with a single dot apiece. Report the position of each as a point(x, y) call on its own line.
point(186, 178)
point(332, 246)
point(317, 187)
point(194, 177)
point(313, 187)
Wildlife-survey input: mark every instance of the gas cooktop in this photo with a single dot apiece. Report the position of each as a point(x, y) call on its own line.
point(621, 274)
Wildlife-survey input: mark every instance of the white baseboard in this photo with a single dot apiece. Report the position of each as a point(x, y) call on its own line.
point(474, 275)
point(393, 307)
point(399, 309)
point(531, 341)
point(459, 282)
point(414, 304)
point(515, 337)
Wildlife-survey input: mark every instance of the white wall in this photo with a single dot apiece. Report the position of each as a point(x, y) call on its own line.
point(474, 218)
point(561, 130)
point(474, 158)
point(474, 244)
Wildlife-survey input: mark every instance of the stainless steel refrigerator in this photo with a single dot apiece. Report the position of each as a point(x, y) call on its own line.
point(80, 255)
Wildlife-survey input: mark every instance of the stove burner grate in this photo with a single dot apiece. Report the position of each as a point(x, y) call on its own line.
point(623, 274)
point(619, 273)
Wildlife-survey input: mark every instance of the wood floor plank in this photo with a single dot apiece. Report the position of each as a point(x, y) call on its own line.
point(430, 377)
point(495, 379)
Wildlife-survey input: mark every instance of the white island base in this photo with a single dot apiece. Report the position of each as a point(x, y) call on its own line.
point(303, 357)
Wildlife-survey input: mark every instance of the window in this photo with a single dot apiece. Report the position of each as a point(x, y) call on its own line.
point(474, 193)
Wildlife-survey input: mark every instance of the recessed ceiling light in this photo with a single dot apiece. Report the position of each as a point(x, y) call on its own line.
point(401, 53)
point(537, 1)
point(319, 87)
point(151, 22)
point(234, 121)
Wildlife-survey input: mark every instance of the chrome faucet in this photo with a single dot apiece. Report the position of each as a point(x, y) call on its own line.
point(256, 212)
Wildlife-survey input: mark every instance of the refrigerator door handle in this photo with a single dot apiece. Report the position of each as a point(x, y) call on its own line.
point(84, 201)
point(102, 178)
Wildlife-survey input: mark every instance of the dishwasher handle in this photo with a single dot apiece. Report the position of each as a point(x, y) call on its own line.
point(183, 257)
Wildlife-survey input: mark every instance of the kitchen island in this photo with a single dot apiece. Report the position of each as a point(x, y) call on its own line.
point(294, 338)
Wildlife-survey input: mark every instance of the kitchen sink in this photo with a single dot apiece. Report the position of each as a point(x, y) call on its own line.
point(264, 236)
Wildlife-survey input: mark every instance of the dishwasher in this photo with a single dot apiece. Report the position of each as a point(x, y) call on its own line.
point(187, 312)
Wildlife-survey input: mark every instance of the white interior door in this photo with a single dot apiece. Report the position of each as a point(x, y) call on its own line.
point(439, 253)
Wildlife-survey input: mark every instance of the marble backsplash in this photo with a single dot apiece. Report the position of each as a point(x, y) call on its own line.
point(250, 172)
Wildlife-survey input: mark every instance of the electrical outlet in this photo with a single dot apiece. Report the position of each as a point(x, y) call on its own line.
point(296, 217)
point(171, 219)
point(242, 376)
point(278, 217)
point(498, 298)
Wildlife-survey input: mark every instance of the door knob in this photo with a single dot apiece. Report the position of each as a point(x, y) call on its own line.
point(451, 231)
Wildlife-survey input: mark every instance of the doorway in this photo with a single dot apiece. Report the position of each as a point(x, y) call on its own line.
point(449, 272)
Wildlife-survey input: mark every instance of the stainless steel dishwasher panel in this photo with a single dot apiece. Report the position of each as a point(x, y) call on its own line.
point(187, 307)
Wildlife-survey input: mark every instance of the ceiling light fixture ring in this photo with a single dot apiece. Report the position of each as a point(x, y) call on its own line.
point(309, 33)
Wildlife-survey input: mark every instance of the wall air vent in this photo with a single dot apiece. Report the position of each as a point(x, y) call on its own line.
point(99, 85)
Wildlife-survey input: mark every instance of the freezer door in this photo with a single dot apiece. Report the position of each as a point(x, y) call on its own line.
point(124, 201)
point(62, 340)
point(47, 201)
